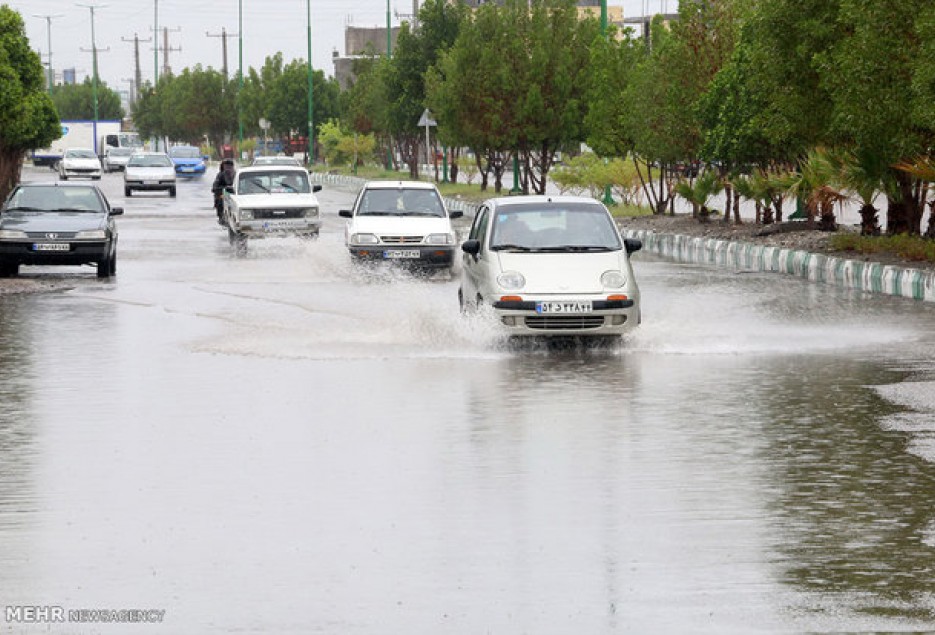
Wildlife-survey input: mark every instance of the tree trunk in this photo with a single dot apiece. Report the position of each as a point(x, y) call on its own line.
point(869, 221)
point(728, 203)
point(737, 219)
point(899, 215)
point(11, 164)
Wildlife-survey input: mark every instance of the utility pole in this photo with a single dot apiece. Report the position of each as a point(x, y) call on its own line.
point(155, 47)
point(138, 74)
point(224, 35)
point(94, 50)
point(48, 25)
point(165, 48)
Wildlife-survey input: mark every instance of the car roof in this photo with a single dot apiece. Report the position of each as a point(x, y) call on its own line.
point(149, 153)
point(395, 185)
point(540, 199)
point(92, 186)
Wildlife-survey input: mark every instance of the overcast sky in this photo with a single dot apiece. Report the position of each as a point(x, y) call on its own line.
point(269, 26)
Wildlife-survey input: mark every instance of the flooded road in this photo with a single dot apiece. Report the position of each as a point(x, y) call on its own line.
point(283, 443)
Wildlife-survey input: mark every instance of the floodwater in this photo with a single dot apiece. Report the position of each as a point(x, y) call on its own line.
point(283, 443)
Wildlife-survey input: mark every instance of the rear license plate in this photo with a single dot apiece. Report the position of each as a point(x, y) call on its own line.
point(401, 253)
point(150, 182)
point(565, 307)
point(51, 247)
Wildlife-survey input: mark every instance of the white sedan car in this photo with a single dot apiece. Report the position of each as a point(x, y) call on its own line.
point(403, 222)
point(552, 266)
point(149, 172)
point(81, 162)
point(271, 200)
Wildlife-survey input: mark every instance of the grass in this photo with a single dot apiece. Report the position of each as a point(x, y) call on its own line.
point(913, 248)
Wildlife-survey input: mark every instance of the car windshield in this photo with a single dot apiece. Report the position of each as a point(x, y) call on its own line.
point(80, 154)
point(554, 227)
point(274, 181)
point(130, 140)
point(400, 202)
point(185, 152)
point(55, 199)
point(150, 161)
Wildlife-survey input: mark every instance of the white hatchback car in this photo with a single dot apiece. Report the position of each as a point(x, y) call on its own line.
point(79, 162)
point(550, 265)
point(403, 222)
point(271, 200)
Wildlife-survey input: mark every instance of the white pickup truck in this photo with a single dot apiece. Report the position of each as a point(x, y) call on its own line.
point(274, 200)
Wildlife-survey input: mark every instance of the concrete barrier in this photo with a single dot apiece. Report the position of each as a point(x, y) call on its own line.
point(872, 277)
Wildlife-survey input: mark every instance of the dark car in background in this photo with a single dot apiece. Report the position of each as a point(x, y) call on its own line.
point(58, 224)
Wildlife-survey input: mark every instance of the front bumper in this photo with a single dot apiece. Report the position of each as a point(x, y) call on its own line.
point(78, 252)
point(259, 228)
point(148, 186)
point(419, 255)
point(73, 173)
point(606, 317)
point(189, 170)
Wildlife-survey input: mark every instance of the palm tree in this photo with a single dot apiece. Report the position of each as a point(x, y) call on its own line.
point(815, 182)
point(923, 168)
point(698, 194)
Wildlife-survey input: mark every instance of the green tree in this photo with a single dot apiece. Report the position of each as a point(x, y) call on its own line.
point(869, 72)
point(28, 119)
point(198, 103)
point(76, 101)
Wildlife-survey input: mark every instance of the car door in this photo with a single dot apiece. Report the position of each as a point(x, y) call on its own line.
point(473, 265)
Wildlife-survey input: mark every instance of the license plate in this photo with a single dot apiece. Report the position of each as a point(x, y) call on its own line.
point(51, 247)
point(282, 224)
point(150, 182)
point(576, 306)
point(401, 253)
point(188, 169)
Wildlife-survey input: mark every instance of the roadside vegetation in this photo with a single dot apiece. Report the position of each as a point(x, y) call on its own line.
point(793, 105)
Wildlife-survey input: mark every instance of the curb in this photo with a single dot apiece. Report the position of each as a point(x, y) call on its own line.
point(841, 272)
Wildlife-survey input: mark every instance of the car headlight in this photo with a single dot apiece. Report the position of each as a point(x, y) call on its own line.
point(613, 279)
point(364, 239)
point(439, 239)
point(92, 234)
point(11, 234)
point(246, 214)
point(311, 212)
point(512, 280)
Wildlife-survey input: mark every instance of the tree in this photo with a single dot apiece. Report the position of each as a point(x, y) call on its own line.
point(198, 103)
point(76, 101)
point(878, 117)
point(28, 119)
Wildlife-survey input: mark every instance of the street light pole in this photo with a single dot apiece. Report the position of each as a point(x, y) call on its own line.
point(92, 7)
point(240, 72)
point(48, 25)
point(389, 54)
point(155, 43)
point(608, 198)
point(311, 109)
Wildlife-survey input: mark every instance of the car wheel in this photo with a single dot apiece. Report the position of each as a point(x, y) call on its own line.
point(113, 264)
point(103, 268)
point(127, 192)
point(8, 270)
point(238, 241)
point(172, 192)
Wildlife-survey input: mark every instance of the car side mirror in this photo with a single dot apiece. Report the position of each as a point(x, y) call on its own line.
point(345, 213)
point(455, 214)
point(316, 188)
point(116, 211)
point(471, 247)
point(632, 244)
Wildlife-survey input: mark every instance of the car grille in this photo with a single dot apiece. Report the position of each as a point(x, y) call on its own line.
point(297, 212)
point(401, 240)
point(559, 322)
point(50, 235)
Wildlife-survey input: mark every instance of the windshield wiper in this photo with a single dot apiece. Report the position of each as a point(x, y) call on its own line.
point(76, 209)
point(377, 214)
point(509, 246)
point(26, 209)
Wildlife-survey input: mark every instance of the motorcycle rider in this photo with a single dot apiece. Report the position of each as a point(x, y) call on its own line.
point(224, 178)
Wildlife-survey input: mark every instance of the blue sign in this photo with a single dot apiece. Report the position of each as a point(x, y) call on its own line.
point(64, 130)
